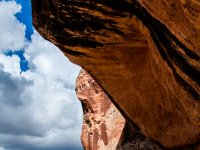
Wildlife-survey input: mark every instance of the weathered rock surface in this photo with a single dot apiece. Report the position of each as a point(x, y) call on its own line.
point(104, 128)
point(145, 54)
point(102, 124)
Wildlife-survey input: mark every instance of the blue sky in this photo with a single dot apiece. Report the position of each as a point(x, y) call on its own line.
point(24, 17)
point(38, 106)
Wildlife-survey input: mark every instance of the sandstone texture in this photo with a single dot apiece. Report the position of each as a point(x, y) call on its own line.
point(102, 124)
point(145, 55)
point(104, 128)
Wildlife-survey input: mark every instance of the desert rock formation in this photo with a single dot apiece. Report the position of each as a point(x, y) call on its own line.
point(145, 54)
point(104, 128)
point(102, 124)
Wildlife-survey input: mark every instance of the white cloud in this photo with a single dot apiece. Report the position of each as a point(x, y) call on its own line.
point(12, 32)
point(48, 60)
point(10, 64)
point(38, 108)
point(40, 105)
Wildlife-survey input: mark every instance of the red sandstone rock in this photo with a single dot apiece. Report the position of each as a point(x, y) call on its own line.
point(102, 124)
point(104, 128)
point(145, 54)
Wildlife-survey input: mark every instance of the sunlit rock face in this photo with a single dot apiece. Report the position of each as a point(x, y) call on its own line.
point(102, 124)
point(145, 54)
point(104, 128)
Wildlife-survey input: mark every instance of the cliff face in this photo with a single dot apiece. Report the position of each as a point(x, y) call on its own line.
point(104, 128)
point(102, 123)
point(145, 54)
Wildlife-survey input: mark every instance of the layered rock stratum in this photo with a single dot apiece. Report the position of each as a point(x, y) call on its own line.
point(145, 55)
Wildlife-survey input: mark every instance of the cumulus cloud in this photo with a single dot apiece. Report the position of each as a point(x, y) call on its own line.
point(38, 108)
point(12, 32)
point(47, 59)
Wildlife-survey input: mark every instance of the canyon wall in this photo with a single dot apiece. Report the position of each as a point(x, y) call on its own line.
point(145, 55)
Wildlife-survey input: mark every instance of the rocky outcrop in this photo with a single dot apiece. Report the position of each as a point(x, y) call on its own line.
point(102, 124)
point(104, 128)
point(145, 54)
